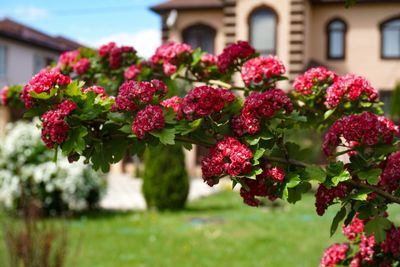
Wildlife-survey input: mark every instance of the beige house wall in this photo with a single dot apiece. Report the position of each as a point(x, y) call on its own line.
point(281, 7)
point(363, 42)
point(20, 61)
point(212, 18)
point(19, 68)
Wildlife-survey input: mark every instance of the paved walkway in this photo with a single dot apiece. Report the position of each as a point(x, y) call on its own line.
point(124, 192)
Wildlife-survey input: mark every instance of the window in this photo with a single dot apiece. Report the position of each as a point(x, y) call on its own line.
point(336, 39)
point(390, 36)
point(3, 60)
point(40, 62)
point(200, 36)
point(262, 24)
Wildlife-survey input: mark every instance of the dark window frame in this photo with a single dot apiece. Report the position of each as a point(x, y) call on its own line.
point(249, 25)
point(328, 39)
point(381, 28)
point(201, 25)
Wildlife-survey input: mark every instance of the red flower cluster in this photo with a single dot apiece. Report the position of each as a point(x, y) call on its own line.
point(263, 186)
point(131, 72)
point(171, 54)
point(258, 71)
point(365, 128)
point(132, 92)
point(149, 119)
point(54, 128)
point(350, 87)
point(95, 89)
point(391, 245)
point(314, 77)
point(233, 53)
point(174, 102)
point(67, 59)
point(325, 196)
point(204, 100)
point(81, 66)
point(354, 229)
point(260, 106)
point(390, 177)
point(43, 82)
point(334, 255)
point(4, 96)
point(228, 156)
point(114, 53)
point(209, 59)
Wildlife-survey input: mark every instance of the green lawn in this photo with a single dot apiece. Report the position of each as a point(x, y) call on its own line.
point(215, 231)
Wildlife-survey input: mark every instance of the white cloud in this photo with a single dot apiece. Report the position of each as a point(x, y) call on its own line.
point(144, 41)
point(30, 12)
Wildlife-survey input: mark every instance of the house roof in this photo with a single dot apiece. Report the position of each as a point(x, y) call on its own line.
point(13, 30)
point(186, 4)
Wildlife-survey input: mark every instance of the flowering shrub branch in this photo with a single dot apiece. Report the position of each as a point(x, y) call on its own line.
point(102, 104)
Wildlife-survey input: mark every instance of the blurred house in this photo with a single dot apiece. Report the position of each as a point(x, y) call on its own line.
point(364, 39)
point(23, 52)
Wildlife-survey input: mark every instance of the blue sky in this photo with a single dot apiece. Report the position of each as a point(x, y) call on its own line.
point(91, 22)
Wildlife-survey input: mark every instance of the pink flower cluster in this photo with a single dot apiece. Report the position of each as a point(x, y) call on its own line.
point(68, 59)
point(115, 53)
point(209, 59)
point(325, 196)
point(81, 66)
point(149, 119)
point(390, 177)
point(4, 96)
point(204, 100)
point(132, 72)
point(365, 128)
point(233, 53)
point(174, 103)
point(391, 245)
point(314, 77)
point(351, 88)
point(43, 82)
point(171, 54)
point(54, 128)
point(334, 255)
point(353, 229)
point(265, 185)
point(132, 93)
point(228, 156)
point(260, 106)
point(259, 71)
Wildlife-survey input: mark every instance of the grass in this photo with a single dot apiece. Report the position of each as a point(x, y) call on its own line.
point(216, 231)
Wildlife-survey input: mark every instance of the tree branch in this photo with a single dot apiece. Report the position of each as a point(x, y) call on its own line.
point(377, 190)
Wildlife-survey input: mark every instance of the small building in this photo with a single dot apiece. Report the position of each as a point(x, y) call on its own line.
point(363, 39)
point(24, 52)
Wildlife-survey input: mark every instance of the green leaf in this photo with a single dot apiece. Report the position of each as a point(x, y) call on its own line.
point(44, 95)
point(372, 176)
point(252, 175)
point(315, 173)
point(170, 116)
point(295, 193)
point(166, 136)
point(378, 227)
point(344, 176)
point(252, 139)
point(73, 89)
point(259, 153)
point(335, 168)
point(328, 113)
point(337, 219)
point(293, 180)
point(126, 129)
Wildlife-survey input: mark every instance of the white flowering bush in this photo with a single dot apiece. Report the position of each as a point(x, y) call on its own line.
point(28, 167)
